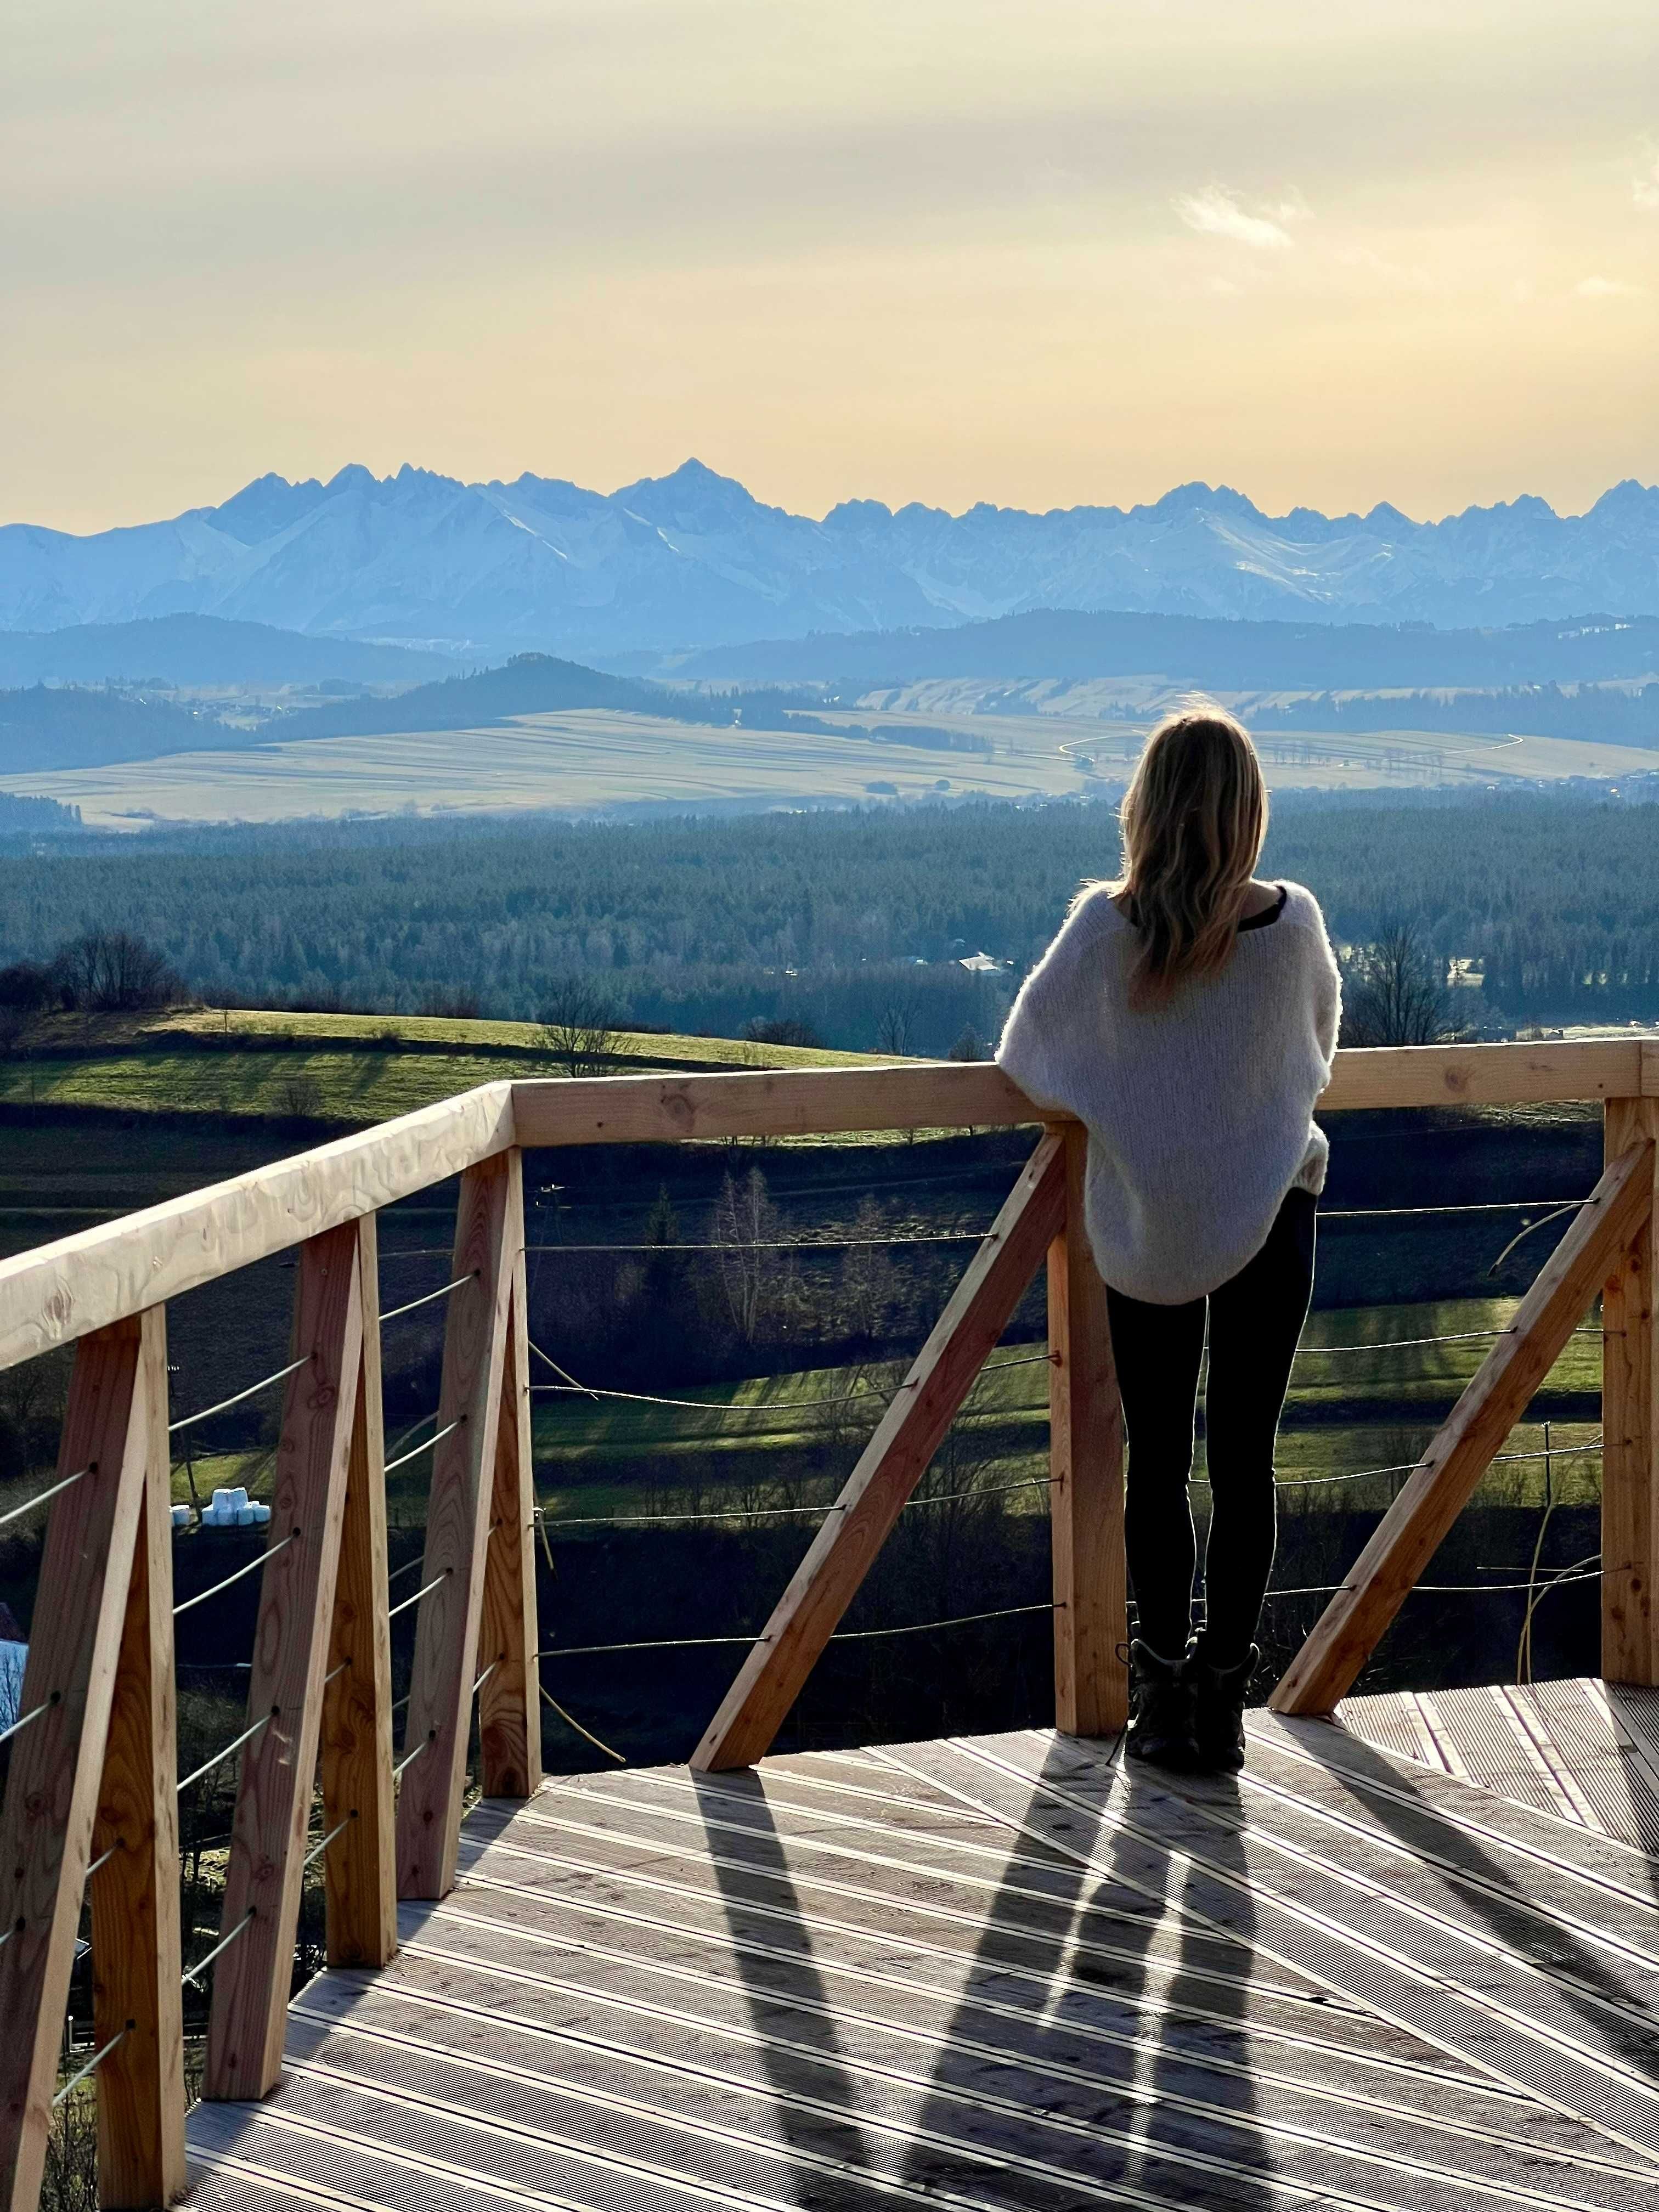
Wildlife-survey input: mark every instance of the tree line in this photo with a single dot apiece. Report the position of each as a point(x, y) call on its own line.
point(852, 923)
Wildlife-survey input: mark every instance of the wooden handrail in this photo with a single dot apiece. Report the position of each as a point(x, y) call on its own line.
point(65, 1290)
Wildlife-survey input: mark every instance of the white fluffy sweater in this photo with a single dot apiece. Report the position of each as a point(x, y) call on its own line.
point(1199, 1113)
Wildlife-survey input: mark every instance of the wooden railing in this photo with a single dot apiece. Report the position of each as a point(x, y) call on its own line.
point(91, 1794)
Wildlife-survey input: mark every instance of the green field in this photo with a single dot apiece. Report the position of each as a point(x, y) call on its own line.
point(781, 1440)
point(343, 1067)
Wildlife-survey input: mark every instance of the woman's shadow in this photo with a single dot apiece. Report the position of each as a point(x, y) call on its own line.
point(1120, 1949)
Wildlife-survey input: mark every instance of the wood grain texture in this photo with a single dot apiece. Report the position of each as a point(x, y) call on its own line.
point(890, 1468)
point(1482, 1074)
point(463, 1480)
point(798, 1102)
point(65, 1290)
point(509, 1706)
point(52, 1790)
point(1347, 1632)
point(290, 1655)
point(359, 1868)
point(1086, 1479)
point(135, 1893)
point(1629, 1426)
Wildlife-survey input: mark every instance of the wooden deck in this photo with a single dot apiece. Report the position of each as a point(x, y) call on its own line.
point(1001, 1972)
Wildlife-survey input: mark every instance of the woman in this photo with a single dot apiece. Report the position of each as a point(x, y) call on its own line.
point(1187, 1016)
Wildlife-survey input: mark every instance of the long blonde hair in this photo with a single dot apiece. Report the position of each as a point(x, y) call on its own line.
point(1194, 817)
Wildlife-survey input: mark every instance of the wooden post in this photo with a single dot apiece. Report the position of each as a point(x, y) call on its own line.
point(57, 1761)
point(1630, 1426)
point(891, 1464)
point(1085, 1490)
point(135, 1892)
point(1411, 1532)
point(489, 1233)
point(290, 1655)
point(360, 1870)
point(509, 1704)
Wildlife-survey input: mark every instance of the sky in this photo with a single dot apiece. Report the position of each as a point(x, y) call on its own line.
point(1031, 252)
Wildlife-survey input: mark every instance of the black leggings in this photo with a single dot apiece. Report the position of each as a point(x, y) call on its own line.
point(1256, 1319)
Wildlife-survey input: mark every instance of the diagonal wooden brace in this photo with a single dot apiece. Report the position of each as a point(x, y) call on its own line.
point(291, 1639)
point(58, 1758)
point(1411, 1532)
point(859, 1523)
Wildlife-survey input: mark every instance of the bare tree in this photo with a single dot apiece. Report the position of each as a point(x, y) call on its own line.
point(1394, 990)
point(110, 972)
point(867, 1284)
point(578, 1026)
point(896, 1028)
point(755, 1274)
point(970, 1045)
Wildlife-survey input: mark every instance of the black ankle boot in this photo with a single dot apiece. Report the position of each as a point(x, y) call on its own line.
point(1160, 1732)
point(1218, 1694)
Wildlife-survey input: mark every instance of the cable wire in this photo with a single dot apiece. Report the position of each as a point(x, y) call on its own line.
point(586, 1734)
point(189, 1420)
point(91, 2066)
point(32, 1714)
point(193, 1974)
point(220, 1757)
point(425, 1590)
point(214, 1589)
point(436, 1437)
point(317, 1849)
point(841, 1636)
point(409, 1758)
point(773, 1512)
point(1580, 1571)
point(41, 1497)
point(397, 1312)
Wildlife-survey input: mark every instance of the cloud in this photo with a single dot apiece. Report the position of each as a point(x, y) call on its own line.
point(1219, 215)
point(1644, 190)
point(1606, 287)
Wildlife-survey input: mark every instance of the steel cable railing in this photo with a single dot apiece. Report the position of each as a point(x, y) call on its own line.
point(436, 1438)
point(224, 1405)
point(92, 2065)
point(41, 1497)
point(429, 1297)
point(250, 1567)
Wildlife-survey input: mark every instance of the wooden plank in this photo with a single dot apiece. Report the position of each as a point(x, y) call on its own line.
point(1406, 1539)
point(52, 1790)
point(135, 1893)
point(360, 1869)
point(616, 1110)
point(1629, 1426)
point(892, 1463)
point(1085, 1492)
point(457, 1521)
point(798, 1102)
point(290, 1657)
point(509, 1703)
point(1483, 1074)
point(65, 1290)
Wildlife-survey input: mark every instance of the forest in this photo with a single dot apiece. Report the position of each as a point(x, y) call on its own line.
point(1624, 717)
point(853, 922)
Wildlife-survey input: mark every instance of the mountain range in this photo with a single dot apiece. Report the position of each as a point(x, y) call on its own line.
point(692, 560)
